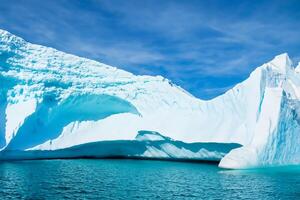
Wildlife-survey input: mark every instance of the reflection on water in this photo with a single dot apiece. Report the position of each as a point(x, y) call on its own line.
point(275, 171)
point(141, 179)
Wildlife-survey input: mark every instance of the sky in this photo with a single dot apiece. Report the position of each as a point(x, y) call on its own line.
point(206, 46)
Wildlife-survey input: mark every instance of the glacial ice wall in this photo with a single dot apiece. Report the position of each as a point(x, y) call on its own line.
point(276, 136)
point(54, 102)
point(42, 79)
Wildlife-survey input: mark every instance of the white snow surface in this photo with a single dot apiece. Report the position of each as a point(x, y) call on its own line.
point(50, 100)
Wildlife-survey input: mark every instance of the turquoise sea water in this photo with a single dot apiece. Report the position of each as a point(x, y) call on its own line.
point(142, 179)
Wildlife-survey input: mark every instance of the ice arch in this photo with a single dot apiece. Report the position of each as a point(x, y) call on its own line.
point(51, 116)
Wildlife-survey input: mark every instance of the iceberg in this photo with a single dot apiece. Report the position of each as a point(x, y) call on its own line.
point(275, 139)
point(57, 105)
point(147, 145)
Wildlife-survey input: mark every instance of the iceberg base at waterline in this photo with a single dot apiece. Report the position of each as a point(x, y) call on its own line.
point(148, 145)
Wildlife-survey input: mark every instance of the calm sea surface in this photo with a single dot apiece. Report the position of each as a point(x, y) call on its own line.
point(141, 179)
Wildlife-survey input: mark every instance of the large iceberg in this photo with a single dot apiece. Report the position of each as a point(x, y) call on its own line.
point(54, 104)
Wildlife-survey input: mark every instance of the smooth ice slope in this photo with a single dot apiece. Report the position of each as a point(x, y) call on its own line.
point(55, 102)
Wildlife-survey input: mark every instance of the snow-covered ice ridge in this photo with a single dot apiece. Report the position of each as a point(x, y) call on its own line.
point(54, 104)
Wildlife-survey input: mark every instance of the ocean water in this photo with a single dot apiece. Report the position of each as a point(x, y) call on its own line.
point(142, 179)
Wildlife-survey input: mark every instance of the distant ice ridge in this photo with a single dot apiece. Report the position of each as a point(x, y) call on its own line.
point(54, 104)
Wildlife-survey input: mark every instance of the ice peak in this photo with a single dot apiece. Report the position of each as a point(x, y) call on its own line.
point(5, 34)
point(297, 68)
point(8, 39)
point(2, 32)
point(282, 62)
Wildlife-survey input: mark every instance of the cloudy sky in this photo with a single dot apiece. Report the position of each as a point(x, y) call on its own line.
point(204, 46)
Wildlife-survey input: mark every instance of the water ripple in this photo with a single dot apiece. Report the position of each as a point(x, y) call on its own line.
point(133, 179)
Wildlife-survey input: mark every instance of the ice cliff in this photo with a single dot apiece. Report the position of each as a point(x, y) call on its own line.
point(54, 104)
